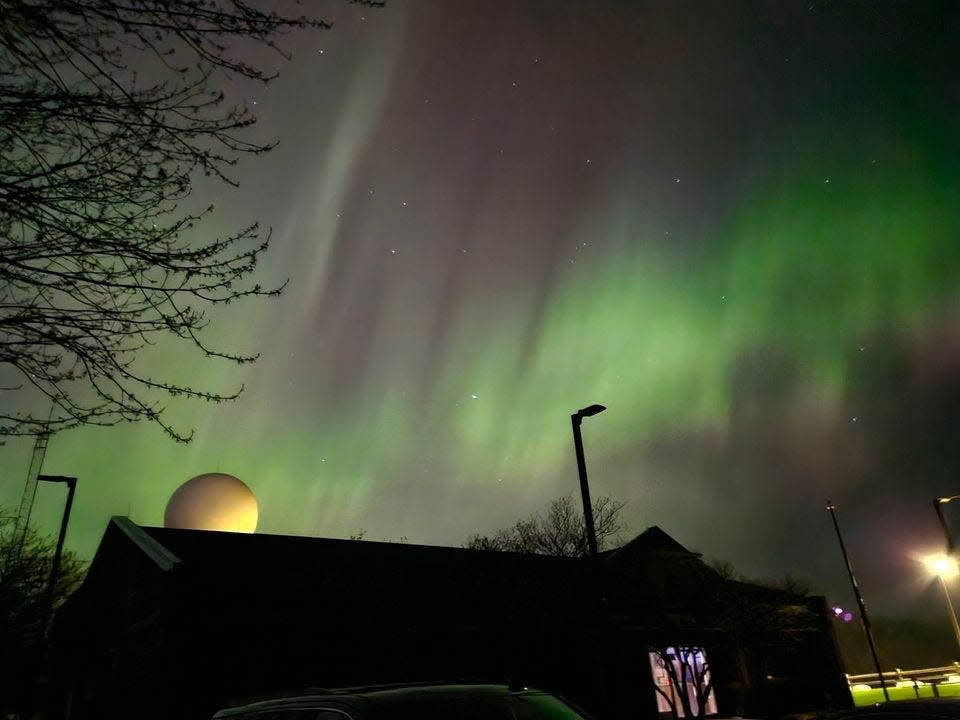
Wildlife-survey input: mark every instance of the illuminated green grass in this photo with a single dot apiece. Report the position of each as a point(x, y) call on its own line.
point(862, 698)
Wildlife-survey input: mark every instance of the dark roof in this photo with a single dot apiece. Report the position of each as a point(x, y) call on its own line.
point(224, 574)
point(202, 546)
point(653, 539)
point(167, 547)
point(299, 577)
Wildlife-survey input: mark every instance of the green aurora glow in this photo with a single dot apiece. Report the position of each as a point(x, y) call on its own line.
point(828, 230)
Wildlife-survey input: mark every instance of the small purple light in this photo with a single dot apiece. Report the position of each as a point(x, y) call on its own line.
point(847, 616)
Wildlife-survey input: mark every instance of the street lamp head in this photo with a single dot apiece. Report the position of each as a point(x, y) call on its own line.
point(943, 566)
point(591, 410)
point(575, 420)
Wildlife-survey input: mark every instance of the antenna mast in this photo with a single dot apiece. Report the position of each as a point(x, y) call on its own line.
point(30, 490)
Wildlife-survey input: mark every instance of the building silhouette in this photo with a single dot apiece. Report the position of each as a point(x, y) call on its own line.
point(175, 623)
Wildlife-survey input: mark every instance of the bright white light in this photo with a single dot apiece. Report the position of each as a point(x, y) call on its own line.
point(942, 565)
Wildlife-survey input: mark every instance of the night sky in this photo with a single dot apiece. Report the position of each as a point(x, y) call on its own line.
point(737, 225)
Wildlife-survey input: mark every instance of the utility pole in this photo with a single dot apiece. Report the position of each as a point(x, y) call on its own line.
point(938, 504)
point(71, 483)
point(864, 618)
point(575, 420)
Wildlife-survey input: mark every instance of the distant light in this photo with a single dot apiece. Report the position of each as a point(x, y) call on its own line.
point(840, 614)
point(942, 565)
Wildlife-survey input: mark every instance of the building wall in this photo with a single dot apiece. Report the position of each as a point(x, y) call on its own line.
point(228, 623)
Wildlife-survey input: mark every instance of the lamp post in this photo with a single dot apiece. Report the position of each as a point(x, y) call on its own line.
point(71, 483)
point(943, 567)
point(864, 618)
point(938, 504)
point(575, 420)
point(598, 606)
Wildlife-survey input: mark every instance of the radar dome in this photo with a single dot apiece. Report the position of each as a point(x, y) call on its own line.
point(213, 501)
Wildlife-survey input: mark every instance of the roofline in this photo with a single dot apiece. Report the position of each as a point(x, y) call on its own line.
point(679, 551)
point(393, 545)
point(159, 554)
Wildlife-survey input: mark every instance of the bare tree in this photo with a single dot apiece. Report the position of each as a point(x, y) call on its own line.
point(726, 570)
point(560, 531)
point(24, 609)
point(109, 111)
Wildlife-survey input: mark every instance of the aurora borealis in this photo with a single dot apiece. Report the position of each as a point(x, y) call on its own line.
point(736, 225)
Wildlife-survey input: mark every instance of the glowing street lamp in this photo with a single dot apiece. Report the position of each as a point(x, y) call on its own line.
point(575, 419)
point(943, 567)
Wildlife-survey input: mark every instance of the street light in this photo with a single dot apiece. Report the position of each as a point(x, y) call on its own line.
point(596, 594)
point(71, 483)
point(575, 420)
point(944, 566)
point(864, 618)
point(938, 504)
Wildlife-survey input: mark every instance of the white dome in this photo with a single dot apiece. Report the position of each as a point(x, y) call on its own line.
point(213, 501)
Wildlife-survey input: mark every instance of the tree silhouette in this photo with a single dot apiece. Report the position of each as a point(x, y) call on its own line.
point(109, 111)
point(25, 563)
point(560, 531)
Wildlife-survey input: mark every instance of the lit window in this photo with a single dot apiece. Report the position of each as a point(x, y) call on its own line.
point(687, 673)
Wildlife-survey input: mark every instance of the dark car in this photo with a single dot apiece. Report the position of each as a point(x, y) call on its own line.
point(927, 709)
point(409, 702)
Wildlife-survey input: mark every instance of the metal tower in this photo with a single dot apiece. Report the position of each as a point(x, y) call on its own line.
point(29, 490)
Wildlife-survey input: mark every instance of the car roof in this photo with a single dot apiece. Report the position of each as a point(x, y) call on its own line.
point(370, 695)
point(926, 709)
